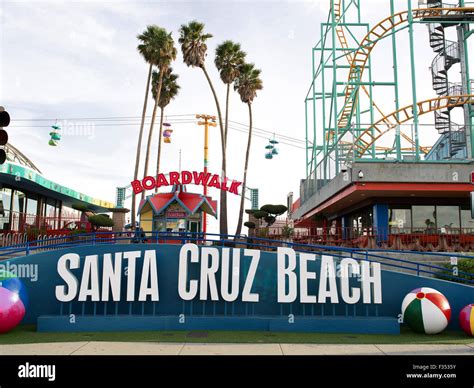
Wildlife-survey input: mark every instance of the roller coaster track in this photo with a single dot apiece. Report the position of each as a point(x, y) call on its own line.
point(366, 139)
point(15, 155)
point(341, 36)
point(361, 56)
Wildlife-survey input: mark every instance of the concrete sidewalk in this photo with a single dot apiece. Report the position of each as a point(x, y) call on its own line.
point(184, 349)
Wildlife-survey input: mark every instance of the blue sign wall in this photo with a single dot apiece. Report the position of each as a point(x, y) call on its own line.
point(171, 312)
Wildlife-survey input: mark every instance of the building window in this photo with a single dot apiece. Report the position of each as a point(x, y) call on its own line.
point(5, 202)
point(424, 218)
point(400, 219)
point(447, 218)
point(160, 225)
point(467, 223)
point(19, 201)
point(31, 206)
point(360, 222)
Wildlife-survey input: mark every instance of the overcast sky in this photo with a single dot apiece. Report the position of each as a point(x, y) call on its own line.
point(78, 60)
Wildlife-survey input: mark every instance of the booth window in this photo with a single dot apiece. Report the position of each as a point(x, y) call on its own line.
point(400, 220)
point(424, 219)
point(467, 223)
point(447, 218)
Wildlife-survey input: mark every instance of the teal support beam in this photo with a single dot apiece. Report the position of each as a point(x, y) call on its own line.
point(323, 85)
point(306, 132)
point(463, 35)
point(413, 80)
point(375, 83)
point(335, 136)
point(371, 98)
point(398, 145)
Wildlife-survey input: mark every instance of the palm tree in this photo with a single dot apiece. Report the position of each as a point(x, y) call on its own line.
point(194, 48)
point(169, 90)
point(247, 84)
point(166, 53)
point(229, 58)
point(149, 41)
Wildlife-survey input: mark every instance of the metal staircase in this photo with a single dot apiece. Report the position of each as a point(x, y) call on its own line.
point(458, 140)
point(447, 55)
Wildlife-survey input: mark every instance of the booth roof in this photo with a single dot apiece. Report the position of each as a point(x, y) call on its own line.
point(191, 202)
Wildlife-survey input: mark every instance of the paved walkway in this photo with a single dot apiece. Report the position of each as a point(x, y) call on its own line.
point(163, 348)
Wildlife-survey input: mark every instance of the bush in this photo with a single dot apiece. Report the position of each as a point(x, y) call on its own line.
point(465, 265)
point(260, 214)
point(276, 210)
point(80, 207)
point(250, 224)
point(287, 231)
point(77, 231)
point(270, 220)
point(33, 233)
point(100, 220)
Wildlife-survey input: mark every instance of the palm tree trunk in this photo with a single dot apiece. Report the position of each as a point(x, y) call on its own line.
point(226, 115)
point(244, 182)
point(159, 146)
point(139, 145)
point(150, 133)
point(223, 197)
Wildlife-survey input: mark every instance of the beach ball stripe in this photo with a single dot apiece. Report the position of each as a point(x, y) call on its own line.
point(426, 310)
point(16, 286)
point(466, 319)
point(12, 310)
point(13, 301)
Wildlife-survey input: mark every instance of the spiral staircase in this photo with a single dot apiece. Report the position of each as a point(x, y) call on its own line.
point(447, 54)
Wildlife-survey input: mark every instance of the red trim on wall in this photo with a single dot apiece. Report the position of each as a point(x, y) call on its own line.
point(457, 187)
point(393, 187)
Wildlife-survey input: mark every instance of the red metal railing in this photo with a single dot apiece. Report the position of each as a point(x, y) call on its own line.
point(422, 239)
point(22, 222)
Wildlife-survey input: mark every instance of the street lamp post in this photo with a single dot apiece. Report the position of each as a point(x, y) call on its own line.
point(207, 121)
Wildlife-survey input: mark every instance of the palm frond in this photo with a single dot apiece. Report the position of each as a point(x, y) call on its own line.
point(169, 87)
point(229, 58)
point(248, 82)
point(193, 43)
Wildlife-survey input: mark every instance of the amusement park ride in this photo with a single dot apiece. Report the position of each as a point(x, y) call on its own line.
point(271, 148)
point(341, 97)
point(55, 135)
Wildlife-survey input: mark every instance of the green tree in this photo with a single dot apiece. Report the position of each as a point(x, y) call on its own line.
point(247, 84)
point(169, 90)
point(229, 58)
point(100, 220)
point(276, 210)
point(166, 54)
point(250, 224)
point(150, 41)
point(194, 48)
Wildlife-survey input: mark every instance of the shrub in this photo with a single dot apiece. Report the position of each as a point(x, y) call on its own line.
point(80, 207)
point(250, 225)
point(260, 214)
point(100, 220)
point(270, 220)
point(276, 210)
point(287, 231)
point(465, 265)
point(78, 231)
point(33, 233)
